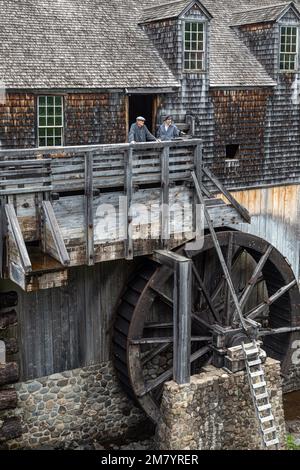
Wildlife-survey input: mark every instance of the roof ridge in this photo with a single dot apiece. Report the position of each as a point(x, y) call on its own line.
point(163, 4)
point(265, 7)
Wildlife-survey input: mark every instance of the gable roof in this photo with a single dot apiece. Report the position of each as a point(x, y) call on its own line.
point(264, 14)
point(169, 10)
point(77, 44)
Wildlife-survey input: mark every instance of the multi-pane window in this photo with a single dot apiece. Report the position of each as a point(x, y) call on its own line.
point(50, 121)
point(289, 48)
point(194, 46)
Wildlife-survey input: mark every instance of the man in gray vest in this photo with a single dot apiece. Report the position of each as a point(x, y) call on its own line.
point(139, 132)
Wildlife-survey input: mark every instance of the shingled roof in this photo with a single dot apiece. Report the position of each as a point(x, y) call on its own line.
point(262, 15)
point(99, 44)
point(166, 10)
point(77, 44)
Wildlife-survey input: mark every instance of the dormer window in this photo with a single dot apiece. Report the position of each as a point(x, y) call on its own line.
point(194, 46)
point(289, 48)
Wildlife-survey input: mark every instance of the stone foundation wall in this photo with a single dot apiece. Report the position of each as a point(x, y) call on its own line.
point(216, 412)
point(76, 406)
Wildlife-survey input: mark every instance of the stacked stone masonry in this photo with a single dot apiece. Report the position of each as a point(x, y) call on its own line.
point(216, 412)
point(76, 406)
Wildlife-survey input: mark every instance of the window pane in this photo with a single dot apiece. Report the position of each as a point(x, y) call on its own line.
point(42, 132)
point(42, 111)
point(58, 101)
point(42, 142)
point(58, 121)
point(58, 141)
point(42, 100)
point(50, 100)
point(50, 111)
point(58, 132)
point(42, 121)
point(50, 142)
point(50, 121)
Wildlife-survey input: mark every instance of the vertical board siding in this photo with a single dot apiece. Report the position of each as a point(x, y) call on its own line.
point(66, 328)
point(275, 217)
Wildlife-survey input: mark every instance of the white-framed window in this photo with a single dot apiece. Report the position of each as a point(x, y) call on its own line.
point(289, 38)
point(50, 121)
point(194, 46)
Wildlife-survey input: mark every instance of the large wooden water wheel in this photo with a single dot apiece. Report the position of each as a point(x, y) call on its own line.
point(143, 336)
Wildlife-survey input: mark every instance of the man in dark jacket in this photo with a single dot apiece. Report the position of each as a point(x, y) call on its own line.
point(168, 130)
point(139, 132)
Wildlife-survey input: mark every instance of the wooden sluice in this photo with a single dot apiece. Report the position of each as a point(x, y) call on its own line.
point(74, 206)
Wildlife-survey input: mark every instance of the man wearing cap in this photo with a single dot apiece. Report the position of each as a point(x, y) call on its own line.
point(168, 131)
point(139, 132)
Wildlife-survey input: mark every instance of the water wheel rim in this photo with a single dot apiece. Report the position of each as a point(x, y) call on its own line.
point(255, 246)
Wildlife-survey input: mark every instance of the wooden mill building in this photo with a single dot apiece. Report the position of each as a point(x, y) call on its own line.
point(79, 294)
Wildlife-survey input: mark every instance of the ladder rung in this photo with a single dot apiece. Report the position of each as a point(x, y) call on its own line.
point(272, 443)
point(250, 352)
point(259, 385)
point(254, 363)
point(269, 430)
point(267, 418)
point(262, 396)
point(264, 407)
point(259, 373)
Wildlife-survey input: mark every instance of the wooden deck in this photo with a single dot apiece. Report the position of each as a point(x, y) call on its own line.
point(76, 206)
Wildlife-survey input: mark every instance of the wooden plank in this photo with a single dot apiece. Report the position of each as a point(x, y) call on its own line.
point(240, 209)
point(16, 234)
point(128, 192)
point(61, 252)
point(165, 199)
point(89, 212)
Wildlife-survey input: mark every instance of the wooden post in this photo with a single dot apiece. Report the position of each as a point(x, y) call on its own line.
point(128, 193)
point(198, 163)
point(182, 310)
point(182, 321)
point(89, 209)
point(165, 199)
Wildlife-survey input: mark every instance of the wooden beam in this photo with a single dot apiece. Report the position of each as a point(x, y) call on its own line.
point(10, 429)
point(16, 234)
point(8, 299)
point(240, 209)
point(51, 223)
point(9, 373)
point(165, 199)
point(8, 319)
point(89, 209)
point(220, 254)
point(8, 399)
point(128, 193)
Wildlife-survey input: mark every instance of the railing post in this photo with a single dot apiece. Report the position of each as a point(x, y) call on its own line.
point(165, 197)
point(89, 209)
point(128, 193)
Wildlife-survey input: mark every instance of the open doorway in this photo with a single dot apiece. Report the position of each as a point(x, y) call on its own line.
point(143, 105)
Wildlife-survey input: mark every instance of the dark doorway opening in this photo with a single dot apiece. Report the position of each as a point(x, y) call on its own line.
point(142, 105)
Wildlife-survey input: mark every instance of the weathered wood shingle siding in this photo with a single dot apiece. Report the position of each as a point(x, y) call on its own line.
point(262, 42)
point(90, 118)
point(17, 121)
point(240, 118)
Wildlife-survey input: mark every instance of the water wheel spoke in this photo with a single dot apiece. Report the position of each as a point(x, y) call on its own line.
point(227, 295)
point(154, 353)
point(206, 294)
point(163, 297)
point(265, 305)
point(163, 340)
point(158, 326)
point(278, 331)
point(157, 340)
point(169, 373)
point(255, 277)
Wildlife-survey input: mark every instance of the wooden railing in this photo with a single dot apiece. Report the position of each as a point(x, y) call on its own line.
point(68, 169)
